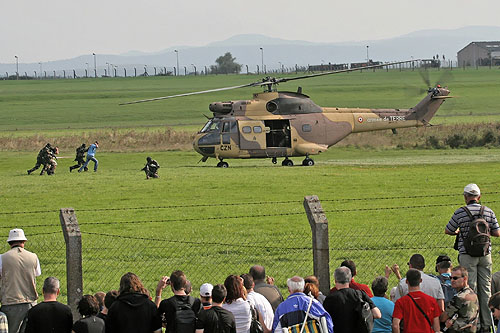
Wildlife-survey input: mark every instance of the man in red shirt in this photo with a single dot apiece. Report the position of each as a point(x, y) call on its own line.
point(419, 312)
point(353, 284)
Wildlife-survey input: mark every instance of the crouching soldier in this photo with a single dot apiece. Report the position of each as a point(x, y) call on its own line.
point(151, 168)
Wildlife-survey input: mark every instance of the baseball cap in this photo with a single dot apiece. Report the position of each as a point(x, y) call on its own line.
point(442, 258)
point(16, 235)
point(206, 290)
point(472, 189)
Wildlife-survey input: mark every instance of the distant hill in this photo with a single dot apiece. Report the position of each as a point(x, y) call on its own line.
point(246, 49)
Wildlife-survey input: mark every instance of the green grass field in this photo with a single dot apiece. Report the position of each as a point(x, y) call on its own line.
point(85, 104)
point(382, 204)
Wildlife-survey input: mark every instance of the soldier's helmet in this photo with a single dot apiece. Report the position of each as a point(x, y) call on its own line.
point(83, 145)
point(47, 145)
point(148, 159)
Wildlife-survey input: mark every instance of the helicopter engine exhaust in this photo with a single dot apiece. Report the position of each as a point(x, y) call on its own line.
point(221, 107)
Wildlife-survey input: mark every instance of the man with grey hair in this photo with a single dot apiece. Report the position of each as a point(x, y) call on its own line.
point(342, 304)
point(18, 271)
point(478, 266)
point(50, 315)
point(293, 310)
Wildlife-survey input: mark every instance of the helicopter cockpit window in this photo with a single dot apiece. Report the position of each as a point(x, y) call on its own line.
point(246, 129)
point(257, 129)
point(213, 125)
point(306, 128)
point(225, 127)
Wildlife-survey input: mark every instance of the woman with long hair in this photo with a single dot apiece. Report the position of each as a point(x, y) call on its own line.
point(236, 303)
point(133, 311)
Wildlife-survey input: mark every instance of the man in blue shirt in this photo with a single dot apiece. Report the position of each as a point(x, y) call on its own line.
point(293, 310)
point(91, 157)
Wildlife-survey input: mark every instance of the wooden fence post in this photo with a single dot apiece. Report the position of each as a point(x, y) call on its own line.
point(321, 250)
point(73, 239)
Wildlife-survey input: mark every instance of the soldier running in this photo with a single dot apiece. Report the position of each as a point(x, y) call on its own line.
point(151, 168)
point(80, 158)
point(40, 158)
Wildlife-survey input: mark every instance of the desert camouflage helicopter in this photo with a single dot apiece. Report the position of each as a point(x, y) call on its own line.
point(287, 124)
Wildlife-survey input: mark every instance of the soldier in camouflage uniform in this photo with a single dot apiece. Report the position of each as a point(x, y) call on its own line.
point(80, 158)
point(151, 168)
point(50, 161)
point(40, 158)
point(461, 314)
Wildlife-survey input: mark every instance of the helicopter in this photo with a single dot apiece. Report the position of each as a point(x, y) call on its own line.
point(282, 124)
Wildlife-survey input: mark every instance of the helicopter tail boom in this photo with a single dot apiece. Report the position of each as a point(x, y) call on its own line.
point(427, 107)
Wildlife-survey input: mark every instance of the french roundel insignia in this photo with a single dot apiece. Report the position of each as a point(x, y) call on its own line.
point(360, 119)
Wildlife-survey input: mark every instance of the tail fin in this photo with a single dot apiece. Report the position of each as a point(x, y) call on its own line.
point(427, 107)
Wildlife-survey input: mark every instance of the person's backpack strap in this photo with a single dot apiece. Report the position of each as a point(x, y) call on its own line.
point(418, 307)
point(480, 215)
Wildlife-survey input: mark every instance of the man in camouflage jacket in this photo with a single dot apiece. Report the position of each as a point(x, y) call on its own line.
point(462, 312)
point(80, 157)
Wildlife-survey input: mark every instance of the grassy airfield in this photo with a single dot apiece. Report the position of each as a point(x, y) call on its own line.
point(224, 220)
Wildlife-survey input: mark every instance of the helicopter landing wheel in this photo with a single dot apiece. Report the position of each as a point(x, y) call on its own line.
point(287, 162)
point(274, 160)
point(222, 164)
point(308, 162)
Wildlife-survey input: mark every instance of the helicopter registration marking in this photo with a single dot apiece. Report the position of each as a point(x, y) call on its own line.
point(389, 118)
point(395, 118)
point(225, 147)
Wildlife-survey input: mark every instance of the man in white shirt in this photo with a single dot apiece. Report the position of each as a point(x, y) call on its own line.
point(258, 301)
point(429, 284)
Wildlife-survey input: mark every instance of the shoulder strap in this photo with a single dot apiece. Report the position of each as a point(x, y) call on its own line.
point(481, 212)
point(418, 307)
point(469, 213)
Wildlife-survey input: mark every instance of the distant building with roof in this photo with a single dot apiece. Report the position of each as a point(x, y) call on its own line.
point(480, 54)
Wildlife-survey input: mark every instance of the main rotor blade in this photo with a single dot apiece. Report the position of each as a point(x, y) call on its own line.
point(269, 81)
point(341, 71)
point(191, 93)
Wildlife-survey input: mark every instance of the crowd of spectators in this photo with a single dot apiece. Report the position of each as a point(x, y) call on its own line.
point(456, 299)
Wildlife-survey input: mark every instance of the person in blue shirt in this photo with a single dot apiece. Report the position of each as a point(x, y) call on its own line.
point(91, 157)
point(293, 310)
point(386, 307)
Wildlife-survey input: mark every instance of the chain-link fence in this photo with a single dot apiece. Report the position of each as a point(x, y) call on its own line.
point(402, 227)
point(210, 241)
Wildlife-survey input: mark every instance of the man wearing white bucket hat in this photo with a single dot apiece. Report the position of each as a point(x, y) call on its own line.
point(18, 270)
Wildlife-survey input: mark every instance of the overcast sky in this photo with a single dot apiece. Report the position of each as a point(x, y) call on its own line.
point(43, 30)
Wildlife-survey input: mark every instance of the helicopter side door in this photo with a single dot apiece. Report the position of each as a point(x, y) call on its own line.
point(252, 134)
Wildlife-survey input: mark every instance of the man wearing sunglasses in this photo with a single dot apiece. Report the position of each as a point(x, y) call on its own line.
point(461, 315)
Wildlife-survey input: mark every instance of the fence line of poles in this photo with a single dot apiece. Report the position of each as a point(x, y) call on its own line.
point(112, 71)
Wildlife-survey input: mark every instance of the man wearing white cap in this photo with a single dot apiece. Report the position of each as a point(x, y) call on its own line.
point(478, 265)
point(206, 295)
point(18, 270)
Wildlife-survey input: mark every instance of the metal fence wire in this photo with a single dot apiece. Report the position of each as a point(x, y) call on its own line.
point(209, 242)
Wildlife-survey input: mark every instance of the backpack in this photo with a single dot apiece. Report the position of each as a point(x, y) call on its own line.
point(255, 325)
point(185, 318)
point(477, 241)
point(365, 322)
point(448, 290)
